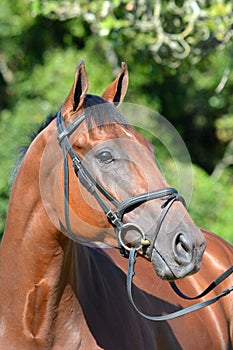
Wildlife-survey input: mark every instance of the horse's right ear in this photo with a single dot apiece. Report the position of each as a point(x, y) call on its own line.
point(116, 92)
point(75, 99)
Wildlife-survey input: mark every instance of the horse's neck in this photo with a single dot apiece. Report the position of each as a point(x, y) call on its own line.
point(30, 238)
point(36, 297)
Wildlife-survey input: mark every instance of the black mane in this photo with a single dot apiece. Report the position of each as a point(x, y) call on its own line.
point(100, 112)
point(24, 149)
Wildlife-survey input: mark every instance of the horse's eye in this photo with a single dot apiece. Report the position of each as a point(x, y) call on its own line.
point(105, 157)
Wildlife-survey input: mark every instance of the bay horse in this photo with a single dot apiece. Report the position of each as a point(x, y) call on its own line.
point(89, 177)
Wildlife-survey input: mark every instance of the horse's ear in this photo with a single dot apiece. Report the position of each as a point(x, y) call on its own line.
point(115, 93)
point(75, 99)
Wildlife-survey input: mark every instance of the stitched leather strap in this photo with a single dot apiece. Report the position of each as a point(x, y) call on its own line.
point(192, 308)
point(212, 285)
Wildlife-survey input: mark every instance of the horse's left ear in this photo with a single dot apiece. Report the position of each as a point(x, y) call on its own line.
point(75, 99)
point(116, 92)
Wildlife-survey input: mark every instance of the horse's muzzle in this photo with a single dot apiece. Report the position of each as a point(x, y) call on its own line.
point(184, 258)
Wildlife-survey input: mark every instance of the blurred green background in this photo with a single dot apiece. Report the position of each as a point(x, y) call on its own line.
point(179, 55)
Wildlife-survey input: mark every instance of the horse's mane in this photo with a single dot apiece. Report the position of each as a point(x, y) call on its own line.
point(23, 149)
point(98, 112)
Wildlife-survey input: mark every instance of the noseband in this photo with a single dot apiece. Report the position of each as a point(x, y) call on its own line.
point(168, 195)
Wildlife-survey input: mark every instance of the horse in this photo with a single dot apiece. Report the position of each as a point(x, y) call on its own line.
point(87, 192)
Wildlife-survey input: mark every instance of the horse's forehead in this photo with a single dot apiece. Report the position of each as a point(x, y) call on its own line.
point(119, 132)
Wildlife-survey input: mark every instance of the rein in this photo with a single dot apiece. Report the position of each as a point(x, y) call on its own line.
point(212, 285)
point(182, 312)
point(168, 195)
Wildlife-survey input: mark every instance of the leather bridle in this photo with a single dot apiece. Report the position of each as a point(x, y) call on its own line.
point(168, 195)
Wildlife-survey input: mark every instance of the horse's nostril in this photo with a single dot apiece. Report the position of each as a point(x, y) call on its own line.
point(182, 244)
point(182, 249)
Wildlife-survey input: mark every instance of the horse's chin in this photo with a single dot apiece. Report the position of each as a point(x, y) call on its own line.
point(170, 271)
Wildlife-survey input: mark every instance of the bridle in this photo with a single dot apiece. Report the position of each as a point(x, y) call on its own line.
point(168, 195)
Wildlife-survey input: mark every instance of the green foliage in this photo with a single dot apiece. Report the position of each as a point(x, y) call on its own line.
point(212, 203)
point(169, 30)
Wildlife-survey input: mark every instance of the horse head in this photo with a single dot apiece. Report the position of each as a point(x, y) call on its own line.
point(116, 193)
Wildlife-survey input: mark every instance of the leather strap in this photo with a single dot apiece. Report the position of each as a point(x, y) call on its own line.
point(212, 285)
point(192, 308)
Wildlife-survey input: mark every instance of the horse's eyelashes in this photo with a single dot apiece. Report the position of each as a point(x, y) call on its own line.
point(105, 157)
